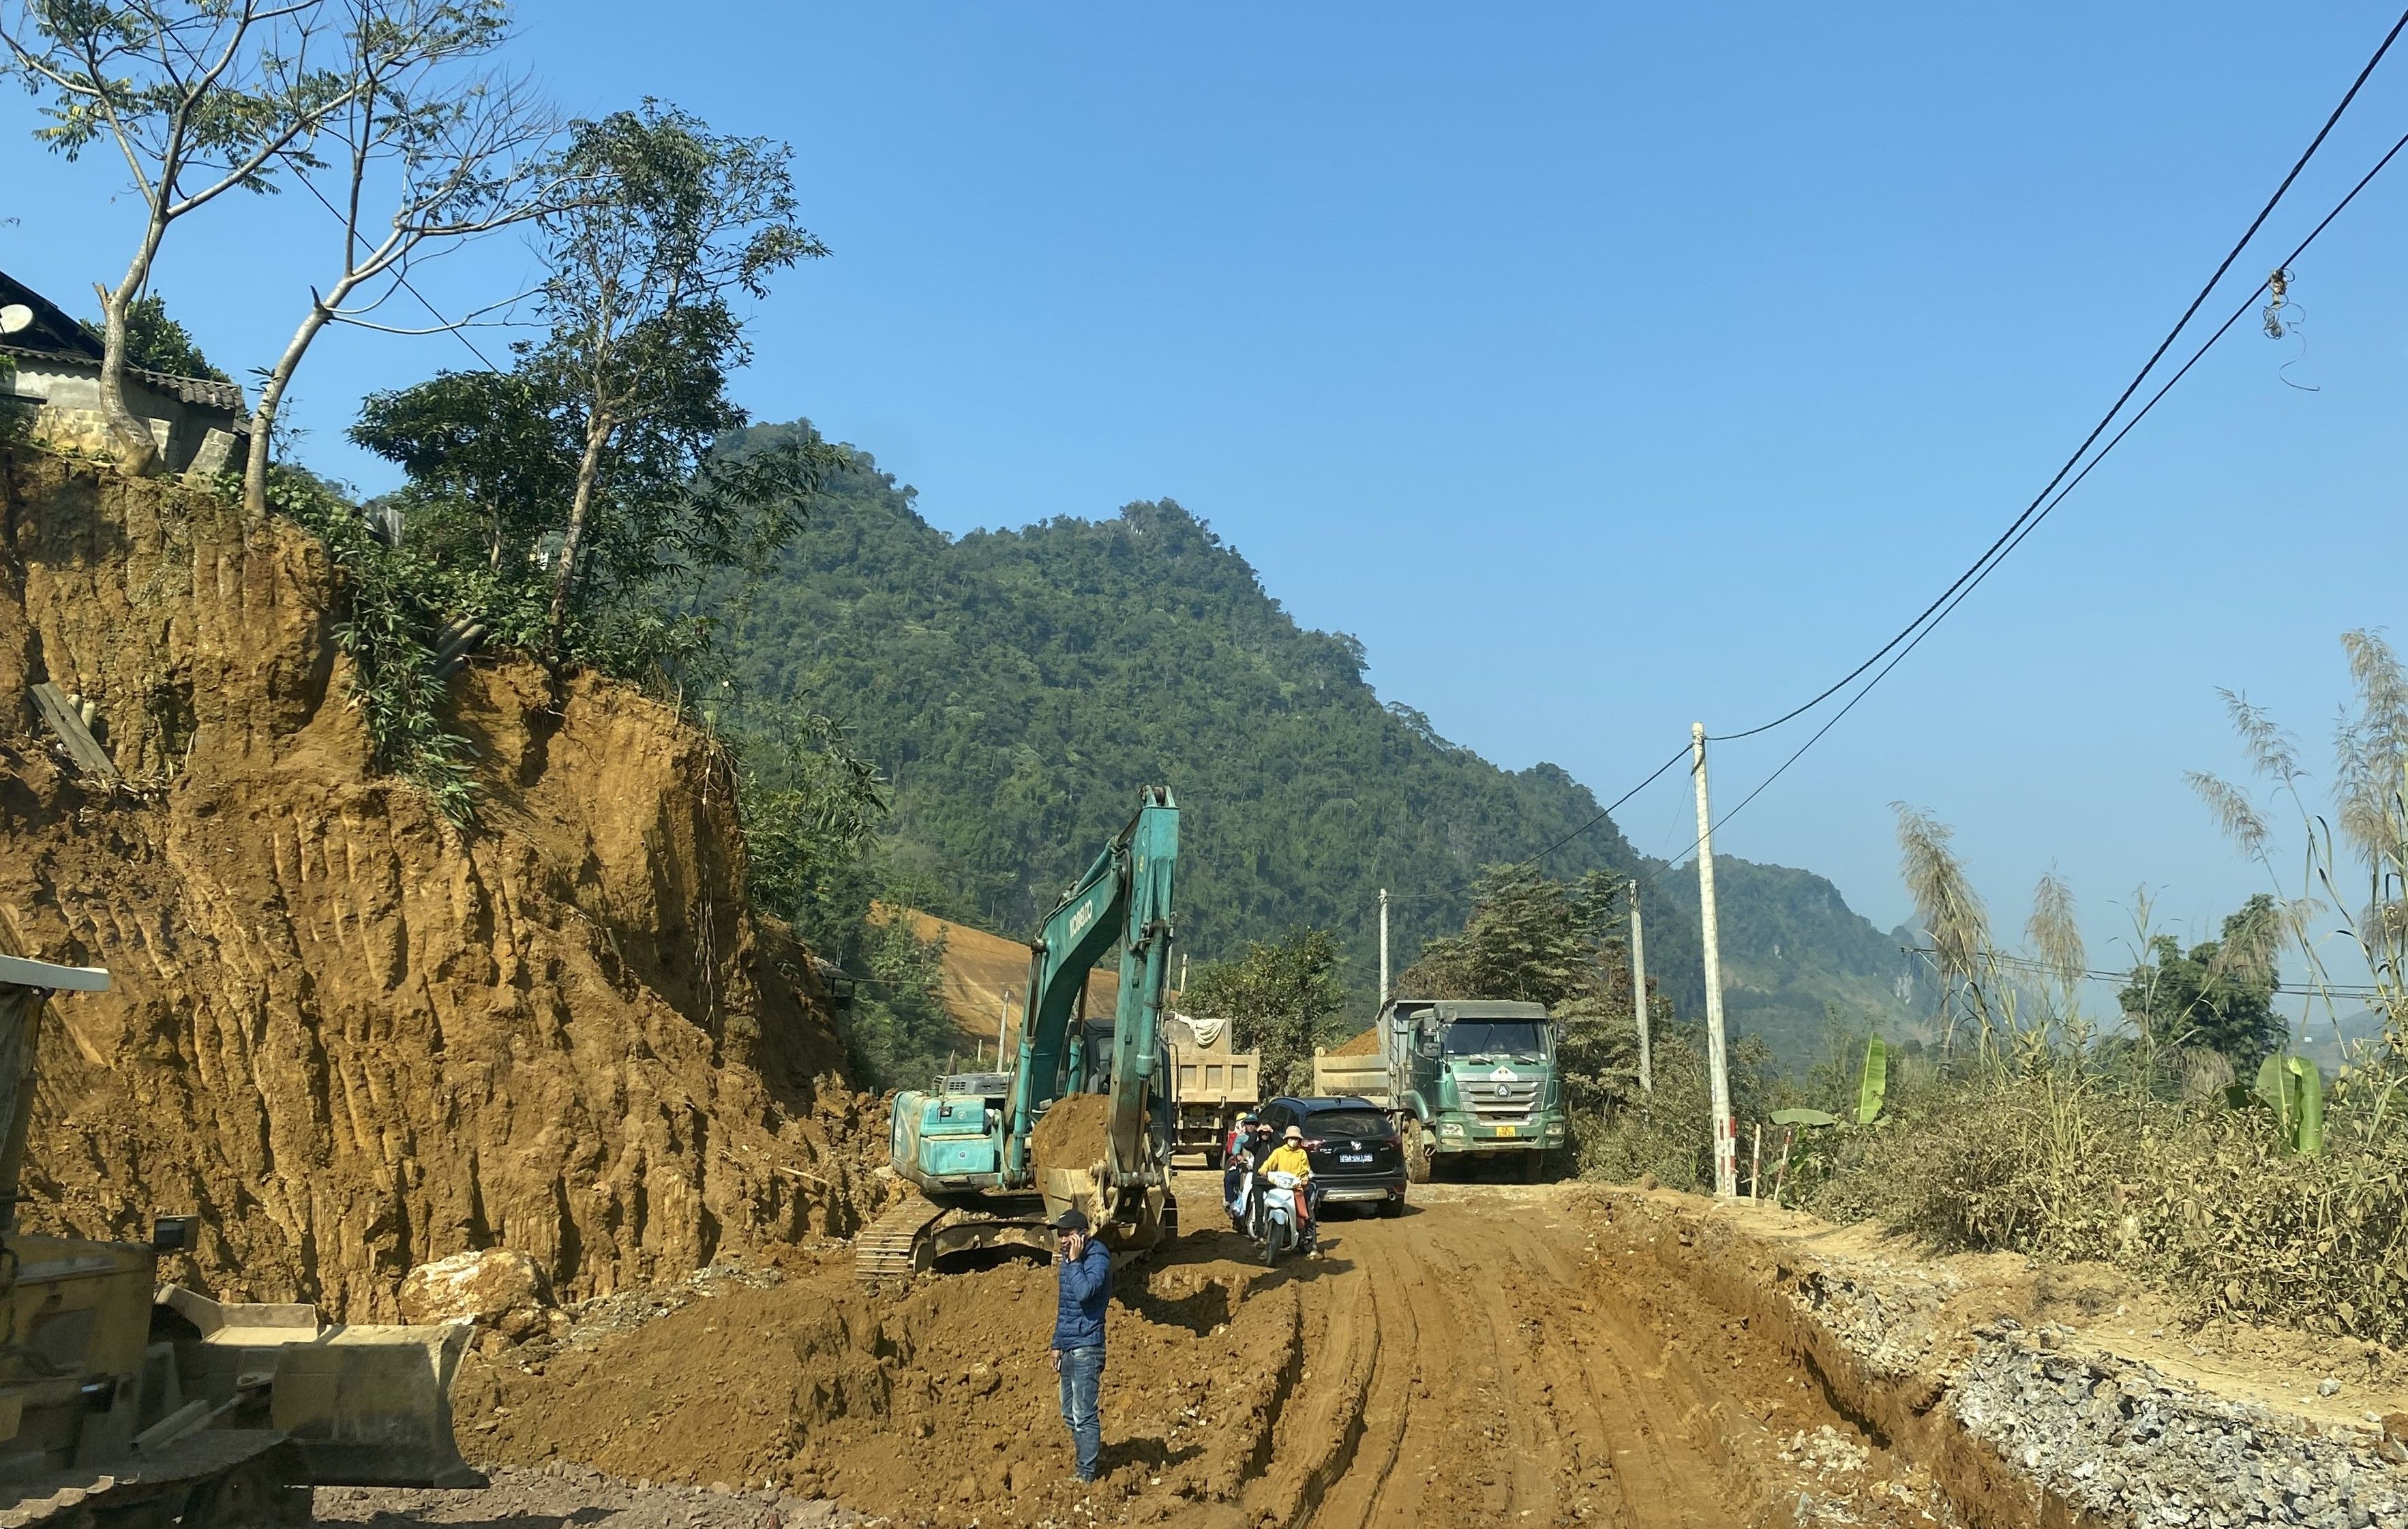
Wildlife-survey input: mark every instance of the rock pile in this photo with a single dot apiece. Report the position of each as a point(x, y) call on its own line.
point(2134, 1446)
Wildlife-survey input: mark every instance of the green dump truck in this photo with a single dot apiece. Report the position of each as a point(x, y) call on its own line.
point(1466, 1078)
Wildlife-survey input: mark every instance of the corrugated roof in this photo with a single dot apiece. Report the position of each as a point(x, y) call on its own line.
point(205, 392)
point(53, 331)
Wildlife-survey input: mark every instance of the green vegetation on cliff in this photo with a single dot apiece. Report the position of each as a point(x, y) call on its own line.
point(1017, 687)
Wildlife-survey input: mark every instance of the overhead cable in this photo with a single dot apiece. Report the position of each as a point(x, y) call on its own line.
point(1938, 610)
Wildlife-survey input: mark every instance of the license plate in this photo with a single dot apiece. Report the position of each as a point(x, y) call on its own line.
point(1509, 1130)
point(1354, 1157)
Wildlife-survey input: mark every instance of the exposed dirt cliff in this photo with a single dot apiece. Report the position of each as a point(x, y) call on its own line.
point(350, 1036)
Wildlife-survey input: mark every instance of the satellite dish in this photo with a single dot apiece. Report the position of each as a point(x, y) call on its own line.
point(16, 316)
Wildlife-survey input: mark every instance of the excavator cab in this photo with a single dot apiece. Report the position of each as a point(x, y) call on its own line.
point(122, 1401)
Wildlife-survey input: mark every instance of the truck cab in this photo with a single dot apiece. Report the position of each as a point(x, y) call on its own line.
point(1473, 1079)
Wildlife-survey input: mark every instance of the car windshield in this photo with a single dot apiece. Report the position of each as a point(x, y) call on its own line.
point(1489, 1037)
point(1346, 1123)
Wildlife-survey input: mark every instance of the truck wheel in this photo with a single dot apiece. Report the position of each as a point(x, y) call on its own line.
point(1417, 1155)
point(1535, 1169)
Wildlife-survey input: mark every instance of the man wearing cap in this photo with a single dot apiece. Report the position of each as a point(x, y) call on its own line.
point(1291, 1158)
point(1084, 1270)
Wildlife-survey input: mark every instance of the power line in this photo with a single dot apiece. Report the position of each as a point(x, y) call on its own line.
point(1603, 813)
point(2246, 304)
point(452, 329)
point(2097, 974)
point(2051, 495)
point(2013, 533)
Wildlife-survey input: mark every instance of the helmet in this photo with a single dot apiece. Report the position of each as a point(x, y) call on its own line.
point(1249, 1117)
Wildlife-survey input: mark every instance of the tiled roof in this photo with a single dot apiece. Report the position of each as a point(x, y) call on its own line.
point(205, 392)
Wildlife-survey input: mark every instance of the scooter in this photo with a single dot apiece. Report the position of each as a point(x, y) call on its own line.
point(1244, 1206)
point(1283, 1228)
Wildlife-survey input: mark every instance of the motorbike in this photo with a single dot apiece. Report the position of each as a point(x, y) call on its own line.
point(1282, 1228)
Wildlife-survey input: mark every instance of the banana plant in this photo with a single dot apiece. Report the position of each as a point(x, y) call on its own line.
point(2293, 1087)
point(1873, 1084)
point(1872, 1087)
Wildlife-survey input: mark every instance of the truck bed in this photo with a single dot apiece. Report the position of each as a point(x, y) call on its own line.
point(1216, 1078)
point(1362, 1076)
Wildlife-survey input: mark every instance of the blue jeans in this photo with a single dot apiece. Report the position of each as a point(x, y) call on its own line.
point(1082, 1378)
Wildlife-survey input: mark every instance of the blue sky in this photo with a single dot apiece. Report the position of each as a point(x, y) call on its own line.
point(1601, 368)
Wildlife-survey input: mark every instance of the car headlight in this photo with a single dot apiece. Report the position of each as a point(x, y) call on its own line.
point(1555, 1128)
point(1449, 1128)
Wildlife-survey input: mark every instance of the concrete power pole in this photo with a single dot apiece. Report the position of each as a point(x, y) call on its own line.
point(1639, 992)
point(1383, 947)
point(1717, 1057)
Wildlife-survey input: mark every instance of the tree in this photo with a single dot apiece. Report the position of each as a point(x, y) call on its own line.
point(670, 223)
point(1529, 938)
point(2219, 993)
point(157, 343)
point(491, 459)
point(1282, 999)
point(198, 97)
point(454, 154)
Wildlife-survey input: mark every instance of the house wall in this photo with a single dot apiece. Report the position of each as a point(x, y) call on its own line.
point(69, 417)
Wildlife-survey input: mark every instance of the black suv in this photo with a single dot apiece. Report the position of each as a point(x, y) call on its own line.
point(1356, 1158)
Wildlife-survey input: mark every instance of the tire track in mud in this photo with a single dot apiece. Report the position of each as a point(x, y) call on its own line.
point(1476, 1363)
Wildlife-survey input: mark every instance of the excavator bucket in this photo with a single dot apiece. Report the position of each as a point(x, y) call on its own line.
point(367, 1405)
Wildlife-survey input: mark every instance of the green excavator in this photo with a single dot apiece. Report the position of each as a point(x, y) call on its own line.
point(965, 1143)
point(125, 1404)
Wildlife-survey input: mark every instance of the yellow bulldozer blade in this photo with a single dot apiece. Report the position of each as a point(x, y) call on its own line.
point(367, 1405)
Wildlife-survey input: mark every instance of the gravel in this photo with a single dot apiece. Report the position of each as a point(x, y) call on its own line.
point(571, 1494)
point(2135, 1446)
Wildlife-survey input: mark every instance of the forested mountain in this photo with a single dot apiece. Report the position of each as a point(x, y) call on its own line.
point(1019, 686)
point(1790, 945)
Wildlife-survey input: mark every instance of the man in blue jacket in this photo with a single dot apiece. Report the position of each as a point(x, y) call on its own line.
point(1085, 1271)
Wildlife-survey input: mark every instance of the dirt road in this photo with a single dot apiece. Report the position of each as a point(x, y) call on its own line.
point(1478, 1360)
point(1489, 1357)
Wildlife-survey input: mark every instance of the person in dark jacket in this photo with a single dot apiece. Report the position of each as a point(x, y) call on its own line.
point(1086, 1273)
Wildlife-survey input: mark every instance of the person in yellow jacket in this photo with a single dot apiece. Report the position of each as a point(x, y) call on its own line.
point(1289, 1157)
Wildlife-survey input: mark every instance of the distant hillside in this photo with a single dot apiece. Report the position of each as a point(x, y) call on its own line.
point(1790, 945)
point(985, 974)
point(1019, 686)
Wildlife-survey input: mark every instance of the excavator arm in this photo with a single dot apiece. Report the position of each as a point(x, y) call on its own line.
point(1123, 904)
point(966, 1142)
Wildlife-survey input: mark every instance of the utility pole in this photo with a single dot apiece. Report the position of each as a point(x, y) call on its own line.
point(1639, 992)
point(1383, 947)
point(1717, 1057)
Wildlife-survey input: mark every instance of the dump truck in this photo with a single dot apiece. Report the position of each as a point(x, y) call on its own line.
point(1466, 1079)
point(1211, 1084)
point(129, 1405)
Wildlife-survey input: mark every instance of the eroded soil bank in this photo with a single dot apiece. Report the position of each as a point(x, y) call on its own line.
point(349, 1035)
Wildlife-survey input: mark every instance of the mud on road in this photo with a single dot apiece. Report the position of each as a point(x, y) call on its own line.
point(1487, 1358)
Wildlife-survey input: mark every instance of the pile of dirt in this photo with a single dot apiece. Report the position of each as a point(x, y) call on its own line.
point(939, 1406)
point(1366, 1044)
point(349, 1035)
point(1074, 1132)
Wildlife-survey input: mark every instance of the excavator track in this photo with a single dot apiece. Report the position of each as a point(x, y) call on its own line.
point(891, 1245)
point(67, 1498)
